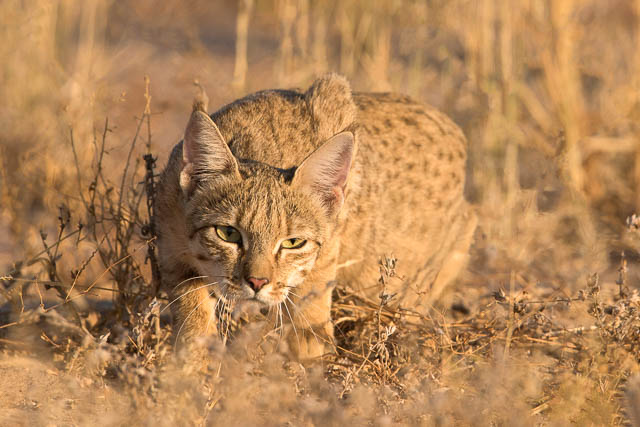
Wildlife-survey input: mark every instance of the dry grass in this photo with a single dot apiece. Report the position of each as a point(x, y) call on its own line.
point(542, 328)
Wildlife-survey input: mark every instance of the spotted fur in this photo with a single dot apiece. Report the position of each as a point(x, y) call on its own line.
point(355, 175)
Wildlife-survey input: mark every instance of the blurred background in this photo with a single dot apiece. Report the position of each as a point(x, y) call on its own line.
point(545, 90)
point(547, 93)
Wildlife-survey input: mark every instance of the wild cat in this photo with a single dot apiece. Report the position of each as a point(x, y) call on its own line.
point(276, 196)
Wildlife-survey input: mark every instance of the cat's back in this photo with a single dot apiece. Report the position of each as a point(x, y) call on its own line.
point(410, 204)
point(412, 147)
point(282, 127)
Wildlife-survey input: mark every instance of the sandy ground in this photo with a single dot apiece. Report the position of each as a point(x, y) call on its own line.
point(37, 393)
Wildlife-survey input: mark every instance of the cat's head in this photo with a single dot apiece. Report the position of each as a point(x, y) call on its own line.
point(254, 230)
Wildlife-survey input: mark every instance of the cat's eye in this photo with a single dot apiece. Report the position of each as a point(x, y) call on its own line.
point(293, 243)
point(228, 234)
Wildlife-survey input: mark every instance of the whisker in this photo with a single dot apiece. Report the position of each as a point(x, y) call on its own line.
point(275, 316)
point(271, 315)
point(213, 314)
point(221, 322)
point(226, 318)
point(200, 277)
point(187, 293)
point(281, 323)
point(268, 315)
point(297, 312)
point(189, 315)
point(190, 279)
point(291, 318)
point(277, 319)
point(304, 300)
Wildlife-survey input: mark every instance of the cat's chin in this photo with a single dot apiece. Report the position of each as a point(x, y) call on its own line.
point(259, 300)
point(250, 306)
point(269, 301)
point(253, 307)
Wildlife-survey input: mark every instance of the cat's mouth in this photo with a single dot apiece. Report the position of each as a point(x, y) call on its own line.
point(229, 292)
point(268, 297)
point(268, 300)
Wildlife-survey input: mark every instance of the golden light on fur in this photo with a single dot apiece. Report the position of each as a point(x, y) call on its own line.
point(328, 172)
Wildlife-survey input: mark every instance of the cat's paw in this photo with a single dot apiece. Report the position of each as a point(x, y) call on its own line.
point(309, 344)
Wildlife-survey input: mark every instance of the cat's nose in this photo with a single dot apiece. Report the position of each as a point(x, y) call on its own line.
point(256, 283)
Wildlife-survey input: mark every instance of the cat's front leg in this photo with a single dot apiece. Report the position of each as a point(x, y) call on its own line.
point(193, 313)
point(311, 331)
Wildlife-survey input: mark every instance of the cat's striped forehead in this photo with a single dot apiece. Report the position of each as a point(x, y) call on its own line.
point(263, 205)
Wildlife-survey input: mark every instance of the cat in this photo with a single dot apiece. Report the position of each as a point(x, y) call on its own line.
point(278, 195)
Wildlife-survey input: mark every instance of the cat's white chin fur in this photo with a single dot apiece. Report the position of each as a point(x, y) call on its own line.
point(266, 296)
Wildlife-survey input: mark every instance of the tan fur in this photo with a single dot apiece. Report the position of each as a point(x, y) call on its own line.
point(274, 166)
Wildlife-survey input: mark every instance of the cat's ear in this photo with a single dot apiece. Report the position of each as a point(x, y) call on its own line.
point(324, 173)
point(330, 102)
point(205, 154)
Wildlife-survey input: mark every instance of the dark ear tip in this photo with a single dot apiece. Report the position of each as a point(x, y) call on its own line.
point(347, 139)
point(199, 115)
point(198, 122)
point(201, 130)
point(199, 104)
